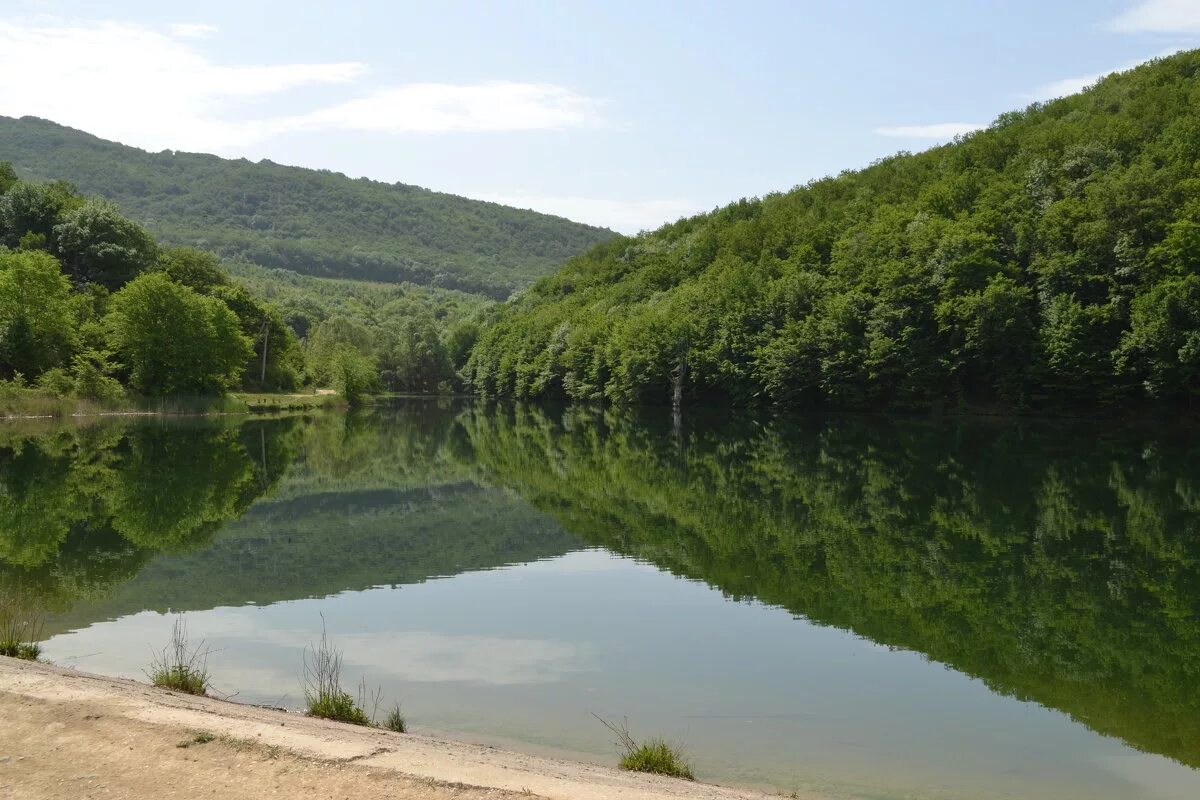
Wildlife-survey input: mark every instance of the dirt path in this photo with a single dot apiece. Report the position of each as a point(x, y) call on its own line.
point(66, 734)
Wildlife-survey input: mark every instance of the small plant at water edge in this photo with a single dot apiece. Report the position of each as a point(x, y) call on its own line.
point(395, 720)
point(323, 692)
point(656, 756)
point(180, 667)
point(28, 651)
point(19, 635)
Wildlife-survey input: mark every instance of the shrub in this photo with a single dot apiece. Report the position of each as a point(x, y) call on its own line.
point(180, 667)
point(395, 720)
point(323, 692)
point(656, 756)
point(56, 382)
point(19, 634)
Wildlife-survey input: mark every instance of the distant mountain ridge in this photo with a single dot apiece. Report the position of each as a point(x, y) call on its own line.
point(314, 222)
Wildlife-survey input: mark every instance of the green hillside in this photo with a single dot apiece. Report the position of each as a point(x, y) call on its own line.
point(313, 222)
point(1051, 261)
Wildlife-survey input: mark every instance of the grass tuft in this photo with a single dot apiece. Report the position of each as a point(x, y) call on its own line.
point(337, 705)
point(656, 756)
point(395, 720)
point(179, 667)
point(200, 737)
point(19, 633)
point(28, 651)
point(323, 692)
point(659, 757)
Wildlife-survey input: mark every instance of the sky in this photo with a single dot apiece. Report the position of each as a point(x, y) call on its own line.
point(621, 114)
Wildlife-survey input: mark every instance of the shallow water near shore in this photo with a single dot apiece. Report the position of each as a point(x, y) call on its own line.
point(872, 607)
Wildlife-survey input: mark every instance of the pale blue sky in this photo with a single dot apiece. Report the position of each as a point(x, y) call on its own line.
point(626, 114)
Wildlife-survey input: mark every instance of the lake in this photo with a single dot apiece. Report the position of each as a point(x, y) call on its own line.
point(872, 607)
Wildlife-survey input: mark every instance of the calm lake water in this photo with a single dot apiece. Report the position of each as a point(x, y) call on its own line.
point(873, 607)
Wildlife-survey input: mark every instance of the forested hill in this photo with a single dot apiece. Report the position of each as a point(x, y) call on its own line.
point(310, 221)
point(1049, 261)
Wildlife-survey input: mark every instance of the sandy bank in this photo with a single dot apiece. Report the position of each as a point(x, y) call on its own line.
point(67, 734)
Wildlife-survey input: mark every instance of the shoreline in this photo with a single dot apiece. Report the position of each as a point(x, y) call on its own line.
point(76, 734)
point(250, 405)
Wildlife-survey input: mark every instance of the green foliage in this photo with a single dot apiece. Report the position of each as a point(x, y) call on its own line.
point(310, 221)
point(67, 242)
point(338, 706)
point(37, 324)
point(1162, 347)
point(659, 757)
point(34, 209)
point(56, 382)
point(339, 355)
point(180, 667)
point(173, 340)
point(351, 373)
point(179, 679)
point(655, 756)
point(413, 334)
point(304, 300)
point(19, 631)
point(412, 356)
point(8, 177)
point(276, 361)
point(323, 692)
point(395, 721)
point(98, 245)
point(1042, 263)
point(92, 371)
point(26, 651)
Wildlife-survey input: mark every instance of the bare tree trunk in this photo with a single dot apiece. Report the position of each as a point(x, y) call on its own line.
point(266, 340)
point(677, 379)
point(678, 376)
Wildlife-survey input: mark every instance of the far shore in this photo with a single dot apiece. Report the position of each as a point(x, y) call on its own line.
point(241, 403)
point(69, 734)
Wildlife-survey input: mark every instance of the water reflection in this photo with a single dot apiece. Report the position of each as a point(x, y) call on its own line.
point(1058, 564)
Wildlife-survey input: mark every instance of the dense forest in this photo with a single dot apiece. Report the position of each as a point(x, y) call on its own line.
point(414, 338)
point(91, 305)
point(93, 308)
point(314, 222)
point(1051, 261)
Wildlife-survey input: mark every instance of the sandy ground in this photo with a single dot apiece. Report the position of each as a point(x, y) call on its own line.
point(67, 734)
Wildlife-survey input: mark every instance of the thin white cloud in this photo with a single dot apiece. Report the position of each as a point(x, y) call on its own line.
point(1063, 87)
point(1159, 16)
point(192, 30)
point(155, 88)
point(940, 130)
point(444, 107)
point(141, 86)
point(1068, 86)
point(620, 215)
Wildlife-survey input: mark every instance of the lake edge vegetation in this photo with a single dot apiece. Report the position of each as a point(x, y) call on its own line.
point(97, 317)
point(324, 696)
point(179, 666)
point(656, 756)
